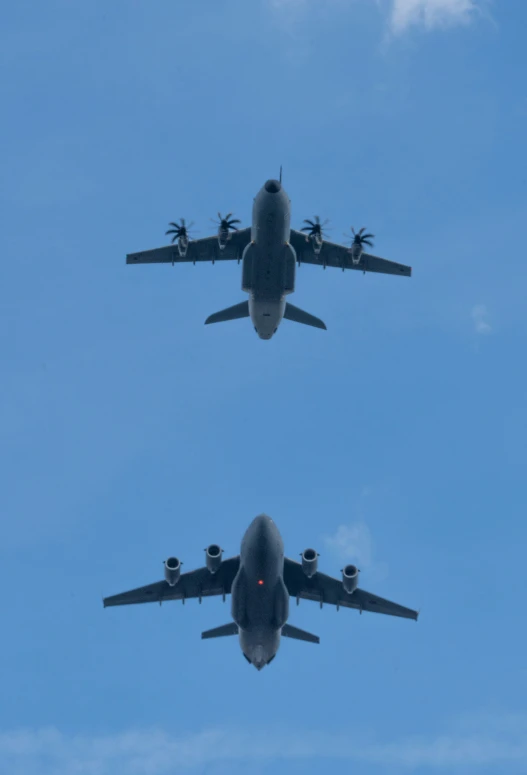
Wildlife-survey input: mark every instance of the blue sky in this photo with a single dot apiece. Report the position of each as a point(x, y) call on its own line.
point(396, 439)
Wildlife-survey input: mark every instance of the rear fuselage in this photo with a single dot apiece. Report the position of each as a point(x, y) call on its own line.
point(260, 600)
point(269, 260)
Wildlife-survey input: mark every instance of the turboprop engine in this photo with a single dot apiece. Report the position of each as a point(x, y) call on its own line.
point(309, 562)
point(180, 232)
point(359, 239)
point(225, 226)
point(172, 571)
point(213, 557)
point(315, 233)
point(350, 578)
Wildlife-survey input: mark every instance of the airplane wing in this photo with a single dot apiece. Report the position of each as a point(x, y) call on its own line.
point(325, 589)
point(339, 256)
point(195, 584)
point(205, 249)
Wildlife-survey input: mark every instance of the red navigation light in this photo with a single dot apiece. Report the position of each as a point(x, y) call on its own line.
point(260, 582)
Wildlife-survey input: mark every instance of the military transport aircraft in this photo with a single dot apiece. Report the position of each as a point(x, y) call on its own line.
point(268, 250)
point(261, 581)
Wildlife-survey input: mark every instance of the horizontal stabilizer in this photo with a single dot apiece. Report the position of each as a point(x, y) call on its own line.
point(220, 632)
point(231, 313)
point(288, 631)
point(299, 316)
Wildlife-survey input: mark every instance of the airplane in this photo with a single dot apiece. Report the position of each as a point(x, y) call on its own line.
point(260, 581)
point(268, 250)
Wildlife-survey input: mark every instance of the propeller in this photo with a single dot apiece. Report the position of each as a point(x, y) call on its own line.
point(359, 238)
point(180, 230)
point(314, 228)
point(227, 223)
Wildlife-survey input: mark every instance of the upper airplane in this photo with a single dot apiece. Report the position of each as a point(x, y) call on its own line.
point(260, 581)
point(269, 250)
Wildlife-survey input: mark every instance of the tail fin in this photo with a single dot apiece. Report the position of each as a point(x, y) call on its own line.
point(299, 316)
point(219, 632)
point(288, 631)
point(231, 313)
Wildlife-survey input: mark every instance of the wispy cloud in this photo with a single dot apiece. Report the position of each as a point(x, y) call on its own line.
point(479, 316)
point(499, 741)
point(431, 13)
point(352, 543)
point(403, 14)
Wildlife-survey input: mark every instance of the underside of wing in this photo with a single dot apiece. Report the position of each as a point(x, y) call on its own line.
point(325, 589)
point(195, 584)
point(340, 256)
point(205, 249)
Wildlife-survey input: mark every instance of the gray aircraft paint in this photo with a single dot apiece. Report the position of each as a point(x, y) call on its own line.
point(270, 251)
point(259, 597)
point(261, 582)
point(269, 260)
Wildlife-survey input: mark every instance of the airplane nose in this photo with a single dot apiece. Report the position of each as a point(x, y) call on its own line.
point(261, 525)
point(273, 186)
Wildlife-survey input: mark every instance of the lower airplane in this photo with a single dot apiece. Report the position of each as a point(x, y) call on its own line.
point(260, 581)
point(269, 251)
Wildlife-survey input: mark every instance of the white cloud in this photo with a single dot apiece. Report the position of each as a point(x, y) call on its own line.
point(479, 316)
point(403, 14)
point(483, 741)
point(352, 543)
point(431, 13)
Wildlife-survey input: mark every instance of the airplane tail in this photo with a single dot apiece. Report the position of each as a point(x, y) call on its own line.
point(299, 316)
point(288, 631)
point(231, 313)
point(219, 632)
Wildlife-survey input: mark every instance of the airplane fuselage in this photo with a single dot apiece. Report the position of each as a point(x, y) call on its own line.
point(269, 259)
point(260, 600)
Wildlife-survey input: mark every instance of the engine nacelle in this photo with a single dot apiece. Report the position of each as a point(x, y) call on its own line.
point(309, 562)
point(182, 246)
point(356, 253)
point(317, 244)
point(172, 571)
point(350, 578)
point(223, 238)
point(213, 557)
